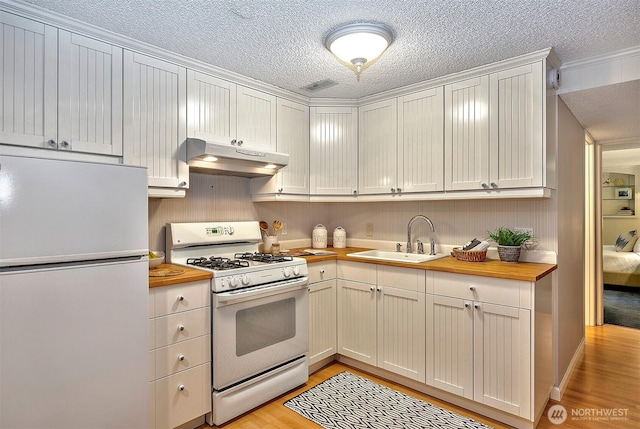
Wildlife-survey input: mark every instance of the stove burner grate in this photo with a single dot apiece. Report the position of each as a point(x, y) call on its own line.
point(217, 263)
point(263, 257)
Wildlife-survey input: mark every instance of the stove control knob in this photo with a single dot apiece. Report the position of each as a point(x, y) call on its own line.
point(231, 230)
point(296, 271)
point(245, 279)
point(233, 282)
point(286, 271)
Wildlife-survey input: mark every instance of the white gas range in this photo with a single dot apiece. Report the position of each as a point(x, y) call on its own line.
point(259, 314)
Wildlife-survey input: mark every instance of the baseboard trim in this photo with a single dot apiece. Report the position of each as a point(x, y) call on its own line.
point(558, 391)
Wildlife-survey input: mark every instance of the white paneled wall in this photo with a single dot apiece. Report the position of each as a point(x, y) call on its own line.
point(456, 222)
point(209, 198)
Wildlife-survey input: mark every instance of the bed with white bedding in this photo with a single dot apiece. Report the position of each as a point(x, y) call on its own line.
point(620, 268)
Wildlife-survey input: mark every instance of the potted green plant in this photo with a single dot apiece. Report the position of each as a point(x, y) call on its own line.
point(509, 242)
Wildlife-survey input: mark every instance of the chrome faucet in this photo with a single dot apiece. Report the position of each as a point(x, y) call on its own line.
point(420, 246)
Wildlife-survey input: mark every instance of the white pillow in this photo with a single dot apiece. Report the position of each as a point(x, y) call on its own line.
point(626, 241)
point(636, 247)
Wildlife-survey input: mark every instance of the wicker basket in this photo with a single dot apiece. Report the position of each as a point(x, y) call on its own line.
point(470, 255)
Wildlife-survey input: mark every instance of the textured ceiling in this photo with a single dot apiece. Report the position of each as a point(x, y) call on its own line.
point(281, 41)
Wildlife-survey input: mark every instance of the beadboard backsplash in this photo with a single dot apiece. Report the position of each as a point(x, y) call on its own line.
point(227, 198)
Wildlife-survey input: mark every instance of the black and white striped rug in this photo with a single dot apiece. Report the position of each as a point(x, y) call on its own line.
point(346, 401)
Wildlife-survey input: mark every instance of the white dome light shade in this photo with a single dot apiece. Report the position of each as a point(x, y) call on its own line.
point(358, 44)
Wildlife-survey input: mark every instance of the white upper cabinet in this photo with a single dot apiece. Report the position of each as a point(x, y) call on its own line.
point(333, 161)
point(467, 134)
point(293, 139)
point(377, 148)
point(211, 108)
point(494, 130)
point(256, 119)
point(155, 121)
point(516, 127)
point(421, 141)
point(226, 113)
point(60, 90)
point(402, 144)
point(292, 181)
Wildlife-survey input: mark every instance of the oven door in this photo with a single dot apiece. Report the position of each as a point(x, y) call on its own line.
point(256, 329)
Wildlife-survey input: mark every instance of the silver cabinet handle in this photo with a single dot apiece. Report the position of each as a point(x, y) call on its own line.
point(240, 142)
point(472, 288)
point(180, 327)
point(233, 142)
point(476, 306)
point(52, 143)
point(181, 358)
point(372, 288)
point(65, 144)
point(379, 289)
point(280, 190)
point(494, 185)
point(484, 185)
point(466, 305)
point(183, 183)
point(355, 192)
point(321, 271)
point(180, 298)
point(399, 190)
point(393, 190)
point(181, 387)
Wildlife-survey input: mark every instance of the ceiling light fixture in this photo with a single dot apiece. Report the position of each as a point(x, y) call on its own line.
point(358, 45)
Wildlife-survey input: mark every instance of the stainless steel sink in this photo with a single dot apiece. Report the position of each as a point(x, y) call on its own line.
point(386, 255)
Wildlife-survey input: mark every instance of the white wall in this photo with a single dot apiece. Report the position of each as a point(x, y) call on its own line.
point(569, 293)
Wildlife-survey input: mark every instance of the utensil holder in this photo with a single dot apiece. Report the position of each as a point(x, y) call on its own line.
point(268, 242)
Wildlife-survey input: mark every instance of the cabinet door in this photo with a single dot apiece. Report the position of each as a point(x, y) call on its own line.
point(502, 358)
point(154, 119)
point(333, 162)
point(322, 320)
point(211, 108)
point(357, 320)
point(466, 134)
point(293, 139)
point(378, 148)
point(256, 119)
point(449, 357)
point(421, 141)
point(516, 126)
point(28, 96)
point(401, 332)
point(89, 95)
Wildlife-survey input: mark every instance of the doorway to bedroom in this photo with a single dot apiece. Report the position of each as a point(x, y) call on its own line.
point(620, 192)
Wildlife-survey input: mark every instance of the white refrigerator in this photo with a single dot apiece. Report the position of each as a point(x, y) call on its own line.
point(73, 295)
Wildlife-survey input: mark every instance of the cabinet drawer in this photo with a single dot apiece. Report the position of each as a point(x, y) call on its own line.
point(513, 293)
point(319, 271)
point(181, 326)
point(401, 278)
point(183, 397)
point(181, 356)
point(357, 271)
point(181, 297)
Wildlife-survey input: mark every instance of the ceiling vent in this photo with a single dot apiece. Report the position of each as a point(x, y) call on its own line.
point(321, 84)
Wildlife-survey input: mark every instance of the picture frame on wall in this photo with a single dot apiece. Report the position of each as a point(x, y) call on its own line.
point(623, 194)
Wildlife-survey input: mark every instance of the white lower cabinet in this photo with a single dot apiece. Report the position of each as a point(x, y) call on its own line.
point(381, 317)
point(322, 311)
point(479, 340)
point(179, 354)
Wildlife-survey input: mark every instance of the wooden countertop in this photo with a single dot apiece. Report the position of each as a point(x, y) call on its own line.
point(188, 275)
point(526, 271)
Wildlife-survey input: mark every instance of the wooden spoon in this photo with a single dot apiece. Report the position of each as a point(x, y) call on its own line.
point(264, 227)
point(277, 226)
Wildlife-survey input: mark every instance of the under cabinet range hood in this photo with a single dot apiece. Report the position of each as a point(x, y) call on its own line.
point(214, 158)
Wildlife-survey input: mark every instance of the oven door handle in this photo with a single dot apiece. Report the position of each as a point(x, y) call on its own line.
point(229, 298)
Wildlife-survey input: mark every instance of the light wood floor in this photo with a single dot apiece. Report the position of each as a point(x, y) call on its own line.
point(607, 377)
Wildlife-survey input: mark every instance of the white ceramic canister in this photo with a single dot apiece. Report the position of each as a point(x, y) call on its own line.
point(339, 238)
point(319, 237)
